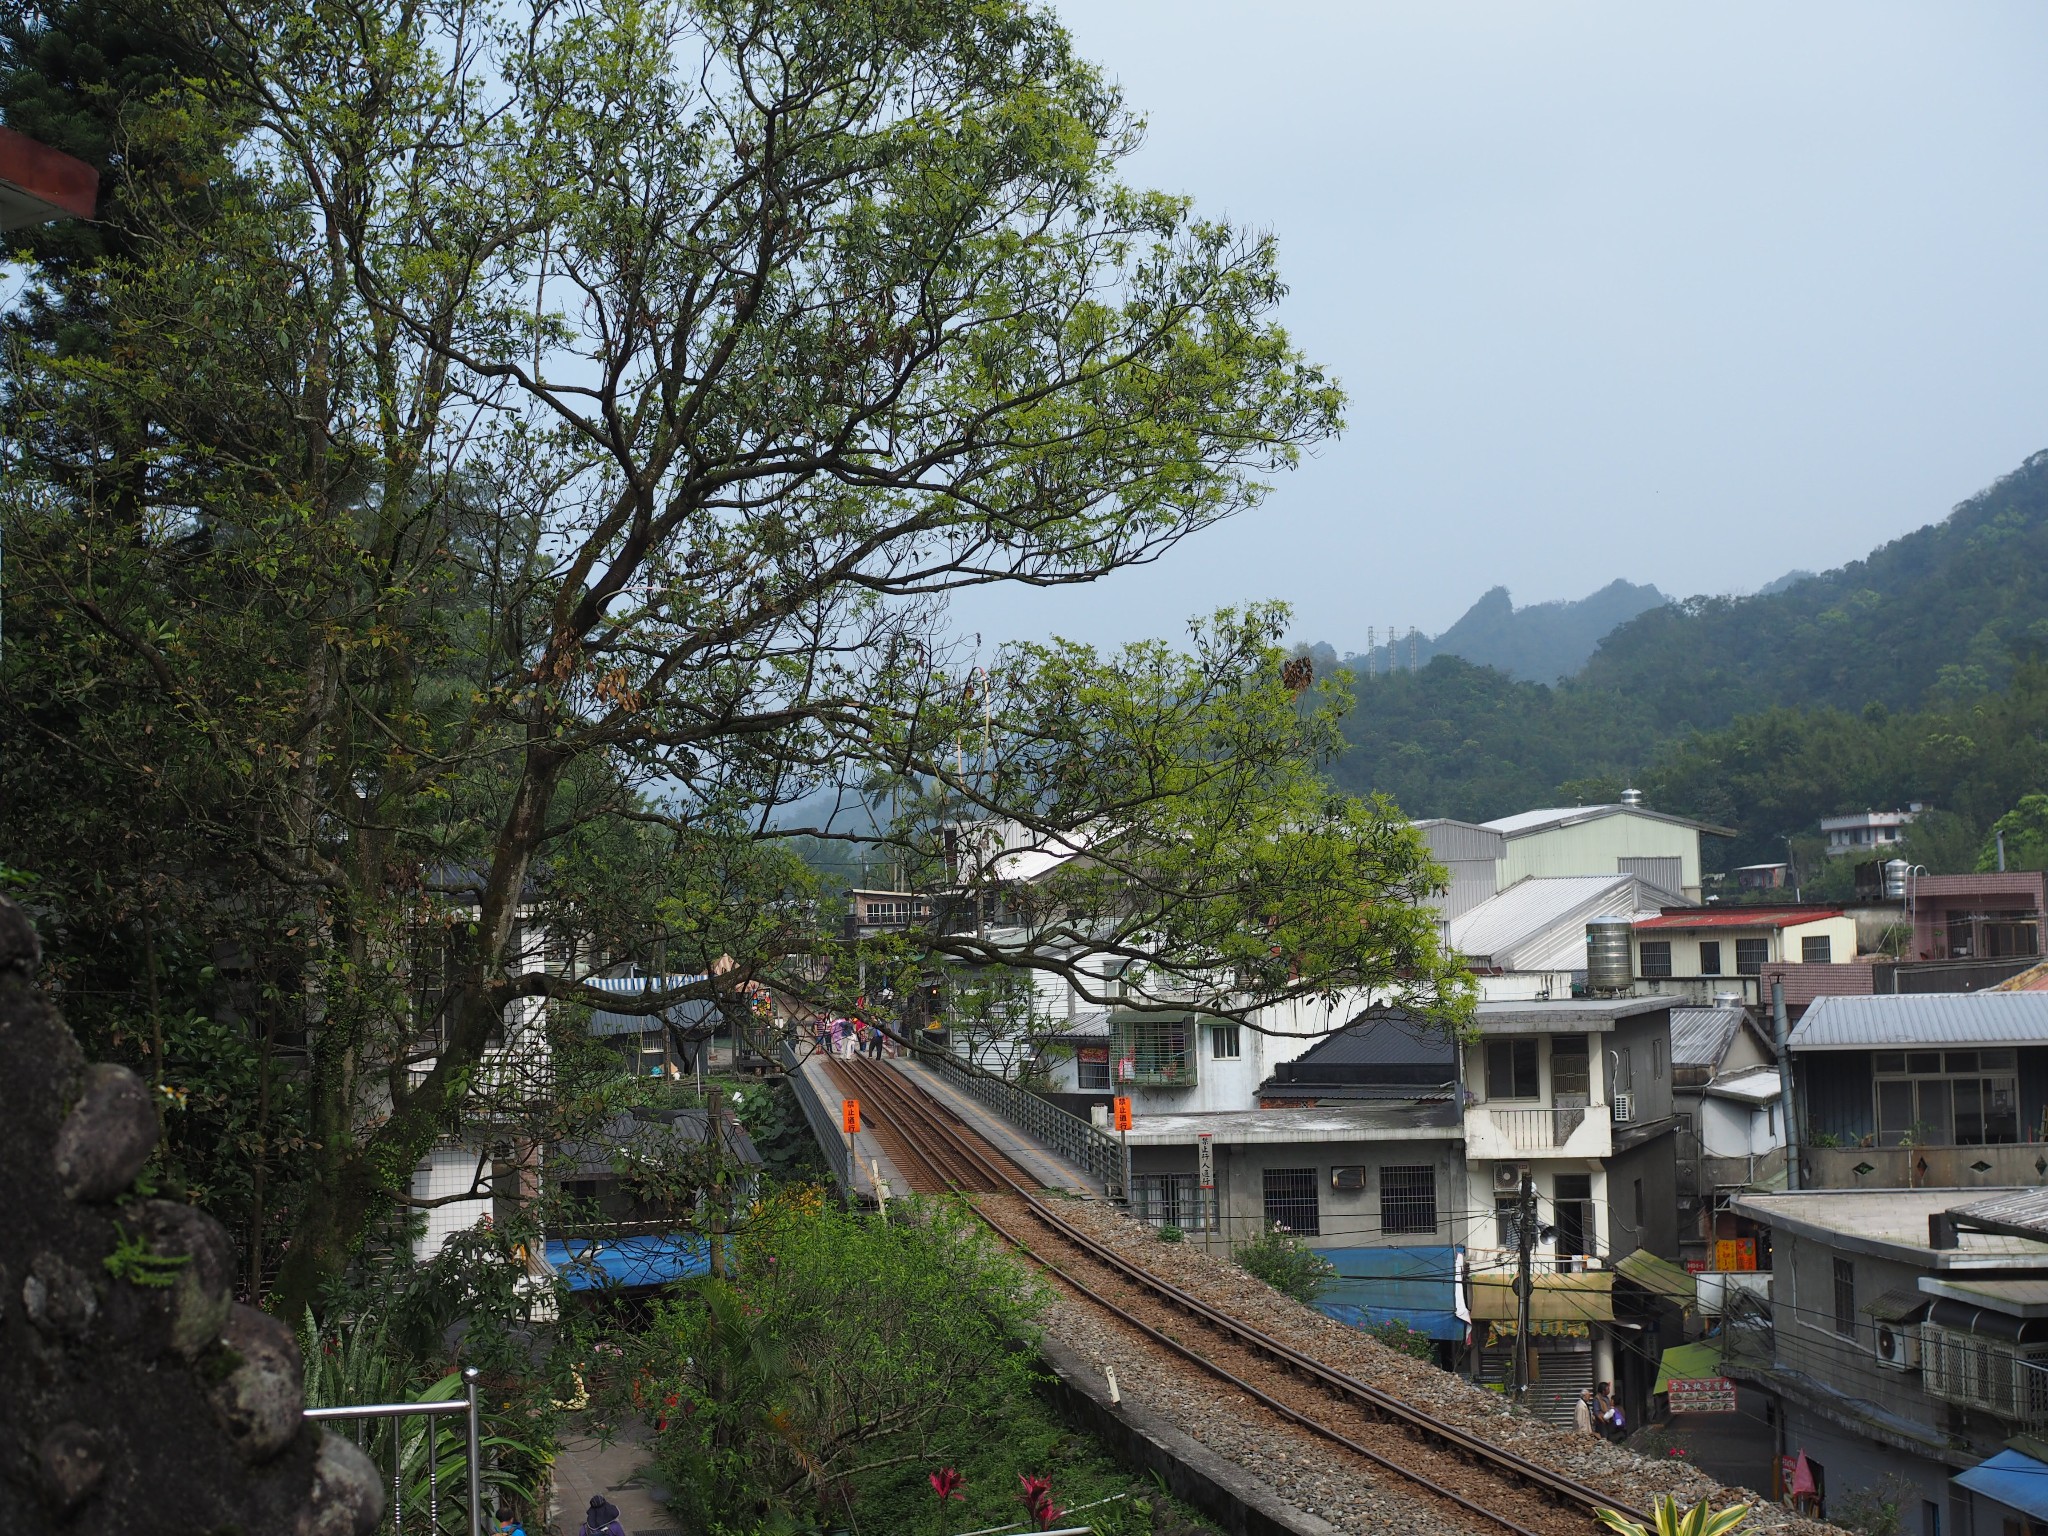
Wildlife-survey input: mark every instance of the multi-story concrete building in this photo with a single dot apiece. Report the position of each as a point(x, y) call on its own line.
point(1905, 1350)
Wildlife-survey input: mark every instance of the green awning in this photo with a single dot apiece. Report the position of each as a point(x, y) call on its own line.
point(1688, 1362)
point(1660, 1276)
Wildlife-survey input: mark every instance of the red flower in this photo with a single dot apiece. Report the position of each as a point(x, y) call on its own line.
point(947, 1484)
point(1038, 1502)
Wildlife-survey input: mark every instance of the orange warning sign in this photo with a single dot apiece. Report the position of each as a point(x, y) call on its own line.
point(1121, 1113)
point(849, 1116)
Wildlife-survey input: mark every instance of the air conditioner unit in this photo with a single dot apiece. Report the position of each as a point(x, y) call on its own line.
point(1897, 1346)
point(1624, 1107)
point(1507, 1177)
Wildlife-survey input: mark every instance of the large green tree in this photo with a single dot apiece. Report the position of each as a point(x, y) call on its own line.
point(547, 457)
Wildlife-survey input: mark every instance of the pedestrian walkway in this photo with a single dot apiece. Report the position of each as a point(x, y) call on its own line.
point(618, 1470)
point(871, 1160)
point(1051, 1170)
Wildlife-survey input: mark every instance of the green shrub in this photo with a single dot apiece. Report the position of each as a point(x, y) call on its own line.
point(1398, 1336)
point(1287, 1264)
point(1169, 1233)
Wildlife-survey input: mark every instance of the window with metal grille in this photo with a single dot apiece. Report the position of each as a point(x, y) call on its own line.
point(1408, 1199)
point(1750, 955)
point(1292, 1201)
point(1655, 957)
point(1845, 1298)
point(1091, 1069)
point(1816, 950)
point(1169, 1199)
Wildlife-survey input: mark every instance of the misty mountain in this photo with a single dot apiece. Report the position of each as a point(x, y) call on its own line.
point(1932, 620)
point(1539, 644)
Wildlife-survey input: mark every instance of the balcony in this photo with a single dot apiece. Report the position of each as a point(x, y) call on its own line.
point(1496, 1133)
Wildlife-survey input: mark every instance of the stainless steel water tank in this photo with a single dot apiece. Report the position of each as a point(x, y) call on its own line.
point(1610, 956)
point(1895, 880)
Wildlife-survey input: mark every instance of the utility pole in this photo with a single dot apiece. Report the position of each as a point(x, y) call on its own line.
point(1781, 1033)
point(1525, 1284)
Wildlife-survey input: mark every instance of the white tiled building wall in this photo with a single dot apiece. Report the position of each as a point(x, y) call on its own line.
point(448, 1170)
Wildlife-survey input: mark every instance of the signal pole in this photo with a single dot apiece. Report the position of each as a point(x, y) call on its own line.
point(1525, 1242)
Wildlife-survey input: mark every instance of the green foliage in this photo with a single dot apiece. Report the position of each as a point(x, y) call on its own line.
point(2025, 827)
point(1286, 1263)
point(135, 1262)
point(1875, 1509)
point(845, 1348)
point(351, 637)
point(1669, 1519)
point(1398, 1336)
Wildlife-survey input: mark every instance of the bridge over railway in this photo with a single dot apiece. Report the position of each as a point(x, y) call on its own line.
point(1450, 1477)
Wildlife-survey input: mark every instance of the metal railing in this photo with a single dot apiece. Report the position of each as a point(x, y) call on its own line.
point(1096, 1152)
point(824, 1124)
point(398, 1413)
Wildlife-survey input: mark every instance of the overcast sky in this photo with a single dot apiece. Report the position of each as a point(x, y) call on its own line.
point(1693, 296)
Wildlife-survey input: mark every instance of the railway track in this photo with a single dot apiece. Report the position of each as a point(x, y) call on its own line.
point(1446, 1465)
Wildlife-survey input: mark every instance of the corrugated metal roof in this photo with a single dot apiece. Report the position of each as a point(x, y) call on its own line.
point(1525, 822)
point(1739, 917)
point(1900, 1304)
point(1700, 1036)
point(2026, 1209)
point(693, 1014)
point(1923, 1018)
point(1450, 839)
point(1498, 931)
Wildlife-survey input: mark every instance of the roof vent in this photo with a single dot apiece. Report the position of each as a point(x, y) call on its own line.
point(1631, 797)
point(1727, 999)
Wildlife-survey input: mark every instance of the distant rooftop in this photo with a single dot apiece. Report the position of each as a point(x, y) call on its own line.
point(1526, 822)
point(1578, 1013)
point(1322, 1123)
point(1538, 923)
point(1740, 917)
point(1893, 1223)
point(1700, 1037)
point(1922, 1019)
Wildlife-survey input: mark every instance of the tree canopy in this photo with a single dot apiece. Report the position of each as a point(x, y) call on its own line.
point(523, 451)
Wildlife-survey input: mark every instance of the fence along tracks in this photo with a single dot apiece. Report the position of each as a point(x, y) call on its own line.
point(1505, 1490)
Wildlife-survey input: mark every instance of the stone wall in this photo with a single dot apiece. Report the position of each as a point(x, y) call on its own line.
point(136, 1395)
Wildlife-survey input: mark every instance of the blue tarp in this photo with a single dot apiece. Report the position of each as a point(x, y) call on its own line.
point(628, 1261)
point(2016, 1481)
point(1416, 1286)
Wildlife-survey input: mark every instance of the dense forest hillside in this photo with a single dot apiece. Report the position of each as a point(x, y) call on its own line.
point(1539, 643)
point(1911, 674)
point(1945, 608)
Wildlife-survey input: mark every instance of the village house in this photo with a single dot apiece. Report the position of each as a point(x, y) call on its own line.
point(1904, 1351)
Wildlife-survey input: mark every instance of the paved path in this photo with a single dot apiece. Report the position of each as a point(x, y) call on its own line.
point(584, 1467)
point(1052, 1170)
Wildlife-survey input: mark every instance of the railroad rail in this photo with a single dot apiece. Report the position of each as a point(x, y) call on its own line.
point(933, 1148)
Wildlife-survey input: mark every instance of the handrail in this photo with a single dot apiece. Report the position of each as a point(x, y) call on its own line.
point(1093, 1150)
point(465, 1405)
point(823, 1127)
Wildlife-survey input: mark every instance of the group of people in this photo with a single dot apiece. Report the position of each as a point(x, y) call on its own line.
point(1598, 1413)
point(851, 1037)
